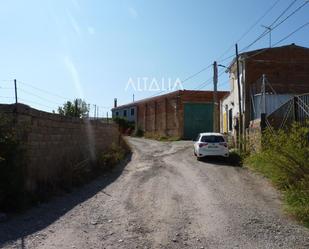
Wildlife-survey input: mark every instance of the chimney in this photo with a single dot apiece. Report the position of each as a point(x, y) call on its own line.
point(115, 102)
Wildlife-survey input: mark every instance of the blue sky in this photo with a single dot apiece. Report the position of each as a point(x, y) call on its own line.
point(91, 48)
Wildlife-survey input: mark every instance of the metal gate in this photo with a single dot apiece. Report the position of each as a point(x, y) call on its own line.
point(198, 117)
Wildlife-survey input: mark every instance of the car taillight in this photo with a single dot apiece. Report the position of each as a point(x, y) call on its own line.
point(223, 144)
point(201, 145)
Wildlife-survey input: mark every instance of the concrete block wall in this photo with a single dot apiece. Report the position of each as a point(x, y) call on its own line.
point(55, 144)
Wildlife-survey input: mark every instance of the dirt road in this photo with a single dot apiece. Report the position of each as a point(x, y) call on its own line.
point(163, 198)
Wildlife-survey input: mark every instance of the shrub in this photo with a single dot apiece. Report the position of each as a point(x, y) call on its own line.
point(111, 156)
point(236, 158)
point(285, 160)
point(124, 124)
point(138, 132)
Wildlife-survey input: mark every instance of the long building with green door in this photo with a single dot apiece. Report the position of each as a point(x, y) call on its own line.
point(183, 113)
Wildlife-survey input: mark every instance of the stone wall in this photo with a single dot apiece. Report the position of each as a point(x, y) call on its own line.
point(56, 146)
point(254, 136)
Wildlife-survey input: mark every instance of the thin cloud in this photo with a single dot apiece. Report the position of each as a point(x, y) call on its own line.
point(74, 23)
point(74, 75)
point(133, 12)
point(91, 30)
point(76, 4)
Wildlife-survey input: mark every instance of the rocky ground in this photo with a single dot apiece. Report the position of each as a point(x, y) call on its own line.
point(162, 198)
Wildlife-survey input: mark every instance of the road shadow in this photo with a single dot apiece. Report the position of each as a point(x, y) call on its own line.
point(41, 216)
point(222, 161)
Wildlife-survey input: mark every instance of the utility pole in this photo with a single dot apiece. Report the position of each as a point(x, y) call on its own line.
point(95, 110)
point(263, 96)
point(76, 106)
point(240, 123)
point(15, 86)
point(263, 104)
point(215, 98)
point(88, 113)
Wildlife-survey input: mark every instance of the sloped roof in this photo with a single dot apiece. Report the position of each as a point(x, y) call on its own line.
point(263, 50)
point(171, 94)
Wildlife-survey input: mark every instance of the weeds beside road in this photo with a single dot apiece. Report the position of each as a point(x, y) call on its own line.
point(285, 161)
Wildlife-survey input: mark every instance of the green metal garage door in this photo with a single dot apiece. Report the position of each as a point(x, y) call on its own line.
point(198, 117)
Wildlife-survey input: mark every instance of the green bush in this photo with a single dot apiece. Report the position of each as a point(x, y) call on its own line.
point(138, 132)
point(236, 158)
point(285, 160)
point(124, 124)
point(111, 157)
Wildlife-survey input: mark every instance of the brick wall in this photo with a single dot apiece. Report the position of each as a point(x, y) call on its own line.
point(56, 144)
point(164, 115)
point(286, 69)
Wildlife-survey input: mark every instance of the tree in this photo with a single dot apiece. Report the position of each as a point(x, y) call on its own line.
point(77, 108)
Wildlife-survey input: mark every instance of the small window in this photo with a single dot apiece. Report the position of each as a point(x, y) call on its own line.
point(132, 111)
point(212, 139)
point(125, 113)
point(117, 113)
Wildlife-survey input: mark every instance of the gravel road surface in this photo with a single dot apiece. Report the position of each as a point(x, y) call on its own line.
point(161, 198)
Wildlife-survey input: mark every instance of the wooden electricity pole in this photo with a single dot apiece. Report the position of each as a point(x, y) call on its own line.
point(15, 86)
point(215, 98)
point(240, 123)
point(95, 111)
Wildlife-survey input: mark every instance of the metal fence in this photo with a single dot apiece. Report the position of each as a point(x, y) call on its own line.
point(294, 110)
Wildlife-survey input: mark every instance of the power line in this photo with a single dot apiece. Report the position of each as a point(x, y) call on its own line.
point(186, 79)
point(42, 90)
point(29, 93)
point(47, 92)
point(277, 25)
point(281, 40)
point(249, 29)
point(283, 12)
point(292, 33)
point(272, 28)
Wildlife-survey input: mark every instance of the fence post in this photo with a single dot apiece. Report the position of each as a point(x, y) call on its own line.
point(263, 126)
point(295, 102)
point(263, 122)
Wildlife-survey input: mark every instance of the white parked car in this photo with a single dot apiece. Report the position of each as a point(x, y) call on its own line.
point(210, 144)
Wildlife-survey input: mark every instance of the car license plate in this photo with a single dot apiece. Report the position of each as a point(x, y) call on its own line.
point(212, 146)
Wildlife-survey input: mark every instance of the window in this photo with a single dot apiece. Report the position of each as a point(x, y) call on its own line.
point(117, 113)
point(212, 139)
point(132, 111)
point(125, 113)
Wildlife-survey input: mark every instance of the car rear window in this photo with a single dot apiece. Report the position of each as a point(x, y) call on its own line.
point(212, 139)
